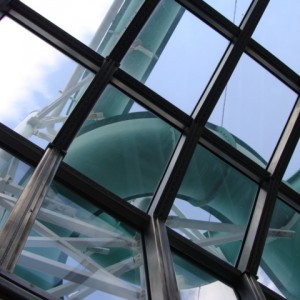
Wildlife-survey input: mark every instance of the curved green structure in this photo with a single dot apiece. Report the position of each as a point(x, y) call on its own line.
point(125, 161)
point(127, 153)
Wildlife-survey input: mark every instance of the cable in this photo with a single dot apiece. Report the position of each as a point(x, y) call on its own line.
point(225, 91)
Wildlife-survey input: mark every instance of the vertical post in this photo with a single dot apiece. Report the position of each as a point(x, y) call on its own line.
point(249, 288)
point(16, 230)
point(162, 278)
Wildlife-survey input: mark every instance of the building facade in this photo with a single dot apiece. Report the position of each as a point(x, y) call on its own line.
point(149, 149)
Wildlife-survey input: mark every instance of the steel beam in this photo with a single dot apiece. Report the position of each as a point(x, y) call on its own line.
point(249, 288)
point(162, 279)
point(21, 219)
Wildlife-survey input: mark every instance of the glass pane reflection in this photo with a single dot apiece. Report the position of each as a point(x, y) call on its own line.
point(14, 174)
point(39, 85)
point(123, 148)
point(254, 107)
point(195, 283)
point(99, 24)
point(76, 250)
point(175, 49)
point(281, 256)
point(213, 205)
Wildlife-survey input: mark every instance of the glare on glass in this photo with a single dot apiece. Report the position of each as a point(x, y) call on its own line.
point(99, 24)
point(39, 85)
point(195, 283)
point(252, 111)
point(123, 147)
point(213, 205)
point(14, 174)
point(280, 261)
point(175, 54)
point(76, 250)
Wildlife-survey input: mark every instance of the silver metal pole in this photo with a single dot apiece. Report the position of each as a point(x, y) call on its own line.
point(16, 230)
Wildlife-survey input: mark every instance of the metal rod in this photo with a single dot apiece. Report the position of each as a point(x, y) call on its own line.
point(17, 228)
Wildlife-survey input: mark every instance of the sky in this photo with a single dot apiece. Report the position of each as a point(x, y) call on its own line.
point(36, 65)
point(39, 72)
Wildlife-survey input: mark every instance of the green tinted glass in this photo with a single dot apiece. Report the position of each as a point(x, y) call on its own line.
point(280, 261)
point(194, 283)
point(77, 250)
point(123, 148)
point(213, 205)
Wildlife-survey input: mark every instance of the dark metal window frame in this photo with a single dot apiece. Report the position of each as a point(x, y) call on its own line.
point(193, 132)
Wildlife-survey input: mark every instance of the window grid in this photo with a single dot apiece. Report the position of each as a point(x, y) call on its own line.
point(193, 133)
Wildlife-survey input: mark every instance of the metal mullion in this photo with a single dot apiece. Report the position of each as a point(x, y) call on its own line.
point(204, 259)
point(286, 145)
point(15, 231)
point(177, 167)
point(212, 18)
point(101, 197)
point(262, 215)
point(258, 227)
point(228, 63)
point(290, 196)
point(151, 100)
point(133, 29)
point(170, 183)
point(271, 295)
point(259, 224)
point(233, 157)
point(250, 289)
point(273, 65)
point(162, 279)
point(54, 35)
point(70, 128)
point(19, 147)
point(16, 288)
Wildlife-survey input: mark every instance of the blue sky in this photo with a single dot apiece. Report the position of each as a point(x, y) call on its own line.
point(39, 72)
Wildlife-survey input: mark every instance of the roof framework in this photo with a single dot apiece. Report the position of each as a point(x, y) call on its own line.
point(159, 240)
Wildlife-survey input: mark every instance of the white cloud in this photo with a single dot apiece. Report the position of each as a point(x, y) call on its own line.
point(26, 61)
point(73, 16)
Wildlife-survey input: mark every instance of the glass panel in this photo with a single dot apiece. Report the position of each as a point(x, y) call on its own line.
point(213, 205)
point(175, 49)
point(252, 111)
point(14, 174)
point(233, 10)
point(123, 147)
point(281, 256)
point(194, 283)
point(278, 31)
point(98, 24)
point(39, 85)
point(292, 174)
point(76, 250)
